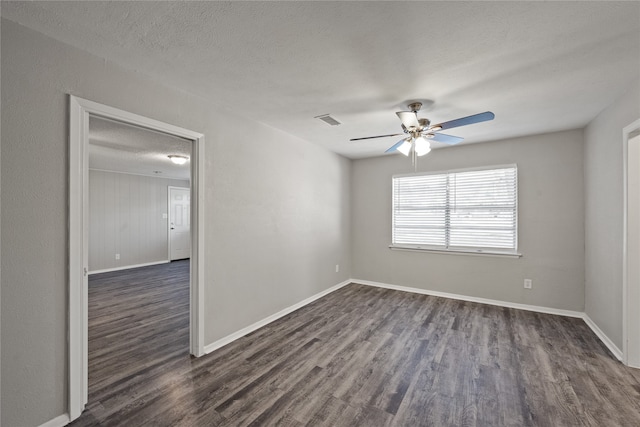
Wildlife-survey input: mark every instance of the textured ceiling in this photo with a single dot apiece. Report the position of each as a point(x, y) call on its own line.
point(119, 147)
point(539, 66)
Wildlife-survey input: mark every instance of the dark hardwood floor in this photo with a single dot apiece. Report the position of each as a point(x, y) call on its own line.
point(361, 356)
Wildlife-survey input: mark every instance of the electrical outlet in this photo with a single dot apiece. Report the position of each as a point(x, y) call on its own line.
point(527, 283)
point(337, 268)
point(117, 256)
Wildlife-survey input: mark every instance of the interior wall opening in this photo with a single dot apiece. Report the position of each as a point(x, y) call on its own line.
point(631, 273)
point(139, 253)
point(135, 253)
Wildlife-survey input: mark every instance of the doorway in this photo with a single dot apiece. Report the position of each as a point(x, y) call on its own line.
point(631, 246)
point(80, 112)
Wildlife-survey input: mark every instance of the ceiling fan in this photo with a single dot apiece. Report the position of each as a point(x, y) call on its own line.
point(420, 130)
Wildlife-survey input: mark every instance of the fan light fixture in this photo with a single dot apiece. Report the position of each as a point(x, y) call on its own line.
point(405, 148)
point(420, 131)
point(421, 145)
point(178, 159)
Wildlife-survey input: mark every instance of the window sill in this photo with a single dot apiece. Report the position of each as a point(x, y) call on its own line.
point(476, 252)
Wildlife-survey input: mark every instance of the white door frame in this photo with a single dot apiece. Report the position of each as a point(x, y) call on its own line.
point(631, 243)
point(169, 217)
point(79, 112)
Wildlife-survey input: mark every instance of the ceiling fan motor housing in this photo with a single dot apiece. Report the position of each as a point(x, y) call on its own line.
point(424, 123)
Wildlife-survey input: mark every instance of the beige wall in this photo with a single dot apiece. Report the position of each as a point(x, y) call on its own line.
point(277, 211)
point(551, 224)
point(603, 167)
point(125, 218)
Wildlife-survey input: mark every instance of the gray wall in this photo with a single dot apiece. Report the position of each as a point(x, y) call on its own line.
point(603, 167)
point(0, 249)
point(551, 224)
point(125, 217)
point(277, 211)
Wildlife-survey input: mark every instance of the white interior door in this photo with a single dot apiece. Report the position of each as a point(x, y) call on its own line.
point(179, 223)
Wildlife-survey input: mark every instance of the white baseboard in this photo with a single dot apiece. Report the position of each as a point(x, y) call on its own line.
point(127, 267)
point(58, 421)
point(603, 337)
point(539, 309)
point(536, 308)
point(244, 331)
point(547, 310)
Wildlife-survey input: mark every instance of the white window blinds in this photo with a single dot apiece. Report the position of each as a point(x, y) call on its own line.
point(474, 209)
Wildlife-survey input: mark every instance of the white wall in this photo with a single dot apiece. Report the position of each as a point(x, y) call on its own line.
point(551, 224)
point(603, 169)
point(277, 211)
point(125, 218)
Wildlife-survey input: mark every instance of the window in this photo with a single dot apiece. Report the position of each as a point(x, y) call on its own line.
point(461, 211)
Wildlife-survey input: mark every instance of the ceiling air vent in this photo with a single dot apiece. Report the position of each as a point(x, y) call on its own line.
point(328, 119)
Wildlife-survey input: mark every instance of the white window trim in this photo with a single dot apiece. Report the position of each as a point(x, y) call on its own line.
point(460, 250)
point(472, 252)
point(442, 172)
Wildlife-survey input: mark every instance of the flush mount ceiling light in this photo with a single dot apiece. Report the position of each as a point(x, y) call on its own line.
point(420, 130)
point(178, 159)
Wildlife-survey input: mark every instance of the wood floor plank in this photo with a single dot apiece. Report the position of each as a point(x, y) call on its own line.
point(360, 356)
point(332, 412)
